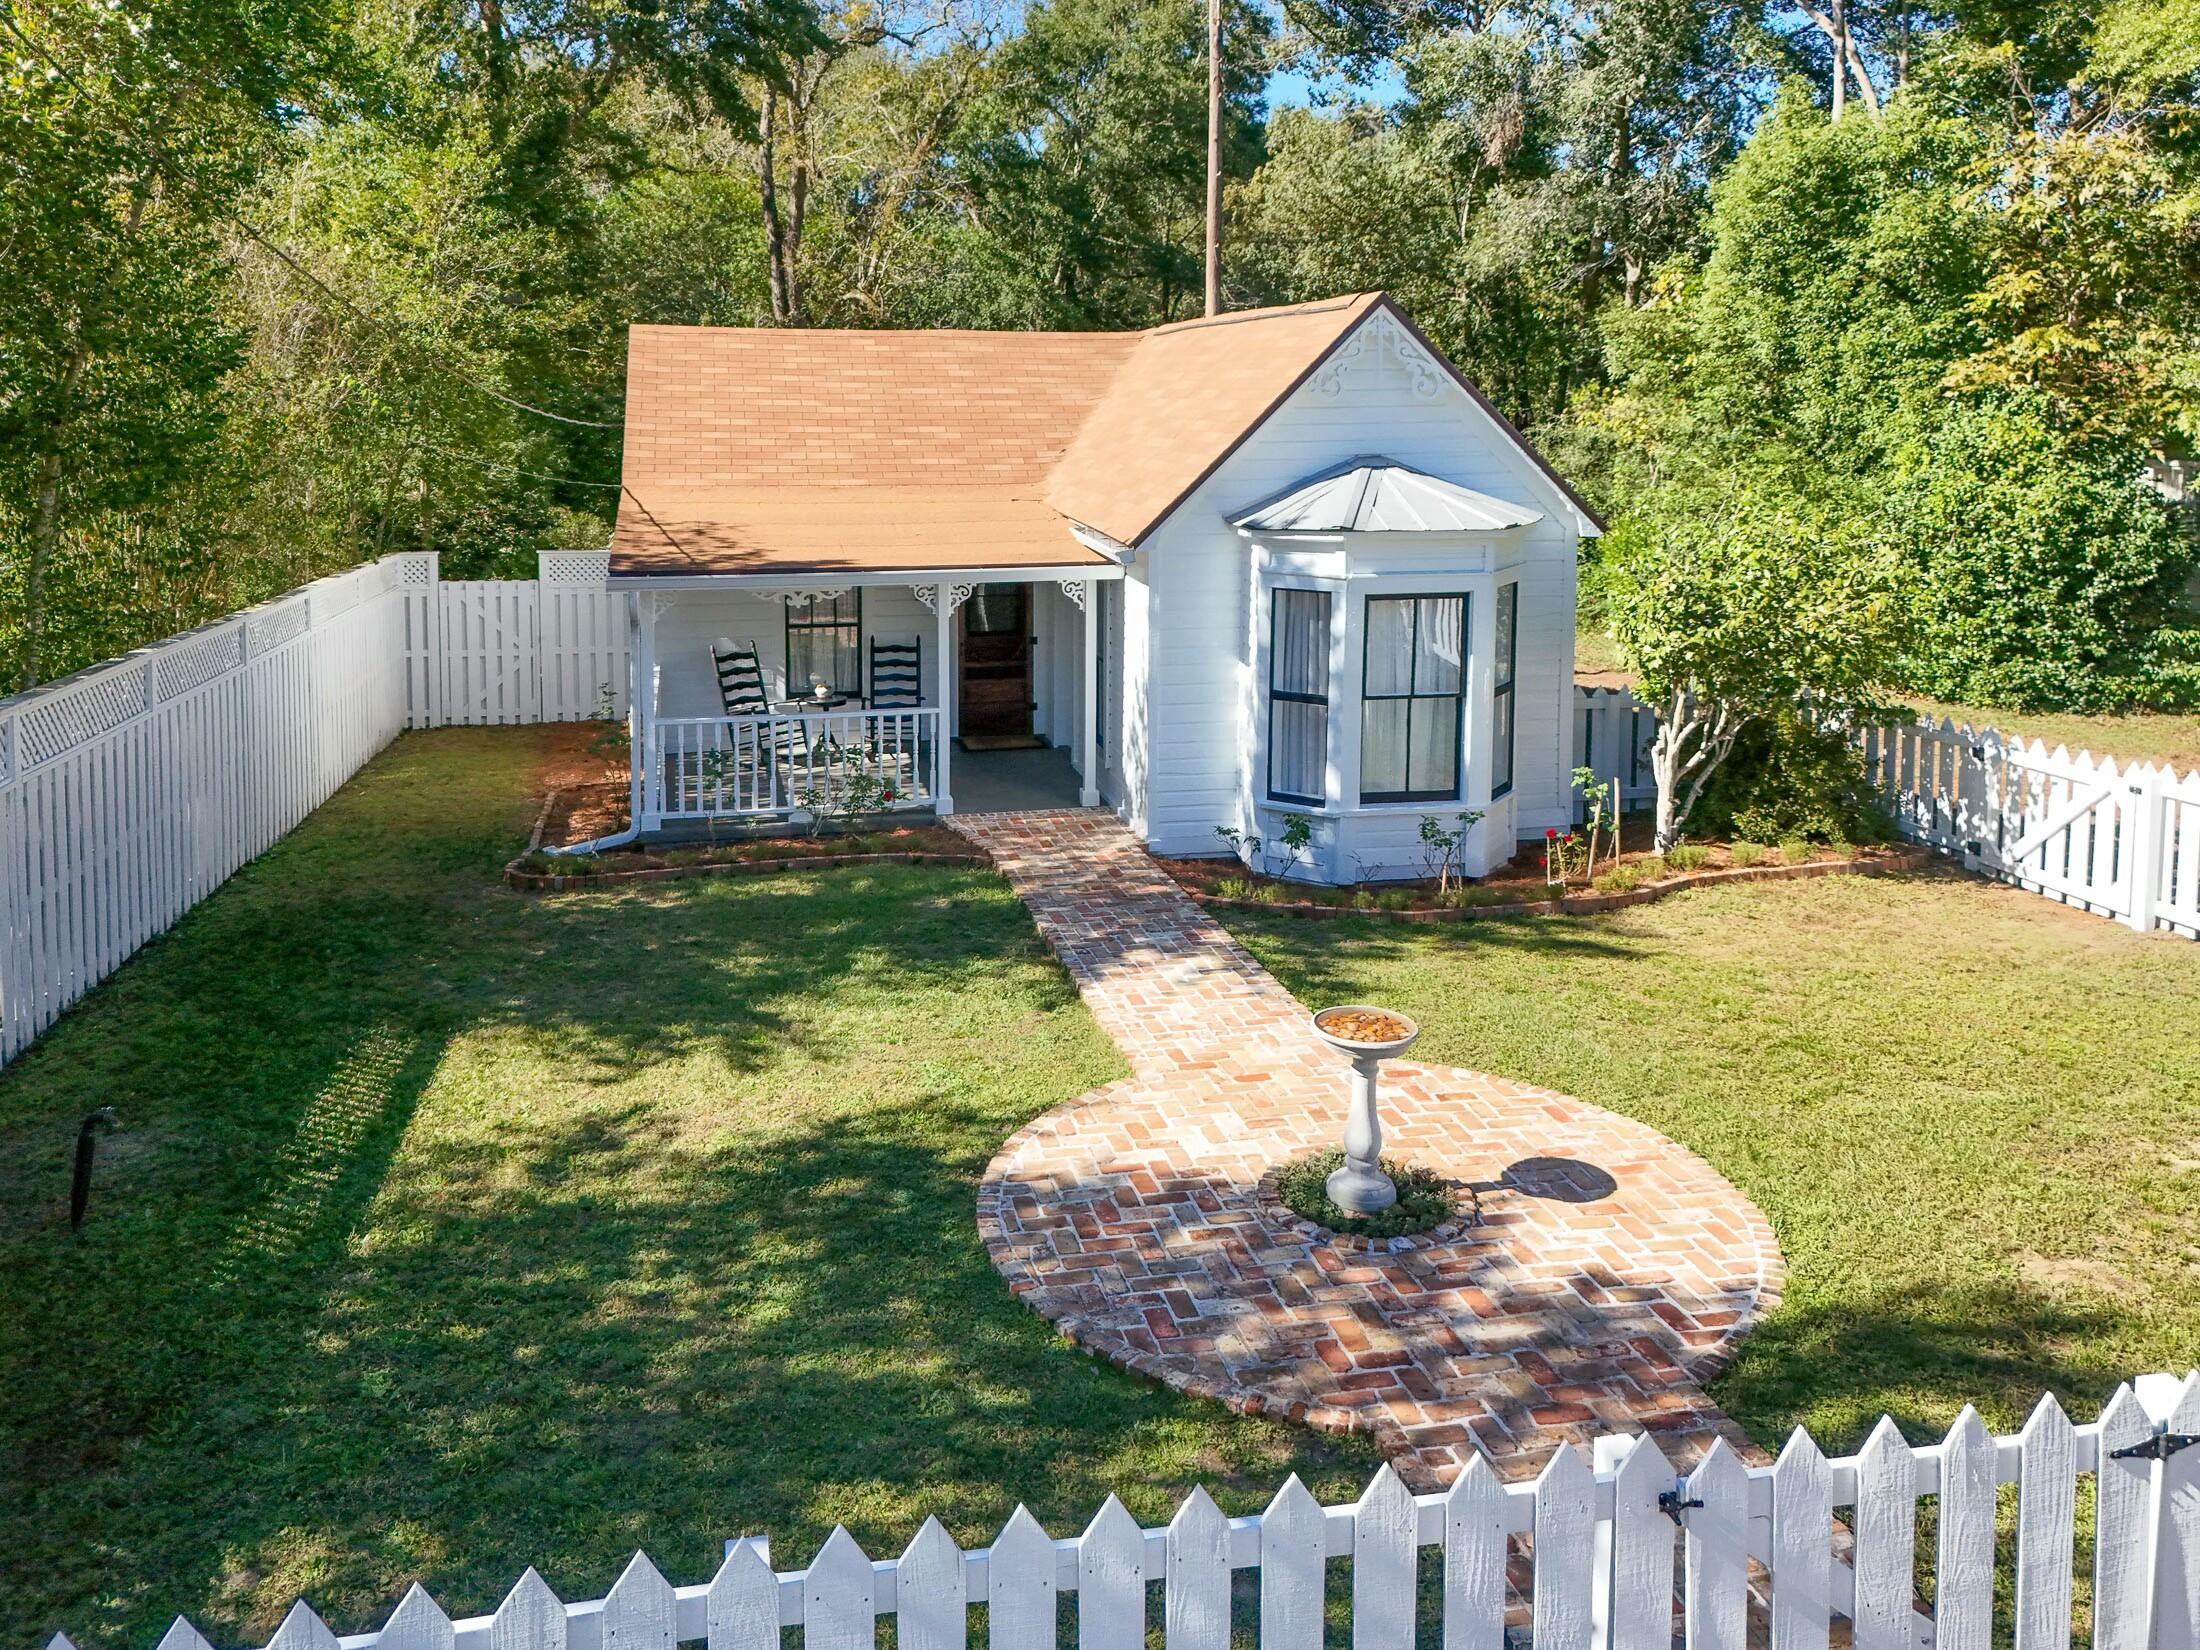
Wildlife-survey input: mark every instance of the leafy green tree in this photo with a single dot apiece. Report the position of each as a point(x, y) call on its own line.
point(2050, 576)
point(131, 133)
point(1086, 151)
point(1729, 618)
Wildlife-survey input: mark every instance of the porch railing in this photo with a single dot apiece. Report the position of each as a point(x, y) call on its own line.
point(719, 767)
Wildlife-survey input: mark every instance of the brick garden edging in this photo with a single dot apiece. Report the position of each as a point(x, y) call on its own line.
point(558, 883)
point(1611, 1272)
point(1891, 862)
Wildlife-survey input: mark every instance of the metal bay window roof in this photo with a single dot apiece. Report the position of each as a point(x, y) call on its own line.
point(1372, 494)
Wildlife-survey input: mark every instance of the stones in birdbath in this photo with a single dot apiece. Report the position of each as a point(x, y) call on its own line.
point(1369, 1036)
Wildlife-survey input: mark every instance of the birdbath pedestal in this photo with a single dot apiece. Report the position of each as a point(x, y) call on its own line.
point(1368, 1036)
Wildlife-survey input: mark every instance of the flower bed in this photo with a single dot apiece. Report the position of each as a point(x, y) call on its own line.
point(751, 856)
point(1430, 1209)
point(1519, 888)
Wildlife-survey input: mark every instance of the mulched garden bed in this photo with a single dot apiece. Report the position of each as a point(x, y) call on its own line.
point(1519, 888)
point(750, 856)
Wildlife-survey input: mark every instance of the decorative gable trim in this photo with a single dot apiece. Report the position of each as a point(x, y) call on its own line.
point(1385, 326)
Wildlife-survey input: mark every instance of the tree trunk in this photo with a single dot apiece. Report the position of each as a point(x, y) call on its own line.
point(767, 190)
point(1665, 769)
point(1839, 35)
point(1214, 157)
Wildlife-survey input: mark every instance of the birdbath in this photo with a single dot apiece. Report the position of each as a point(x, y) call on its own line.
point(1369, 1036)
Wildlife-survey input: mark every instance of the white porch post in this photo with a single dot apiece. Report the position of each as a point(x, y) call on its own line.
point(636, 720)
point(1088, 773)
point(943, 610)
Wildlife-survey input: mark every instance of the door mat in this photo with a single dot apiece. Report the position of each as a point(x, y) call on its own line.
point(1002, 742)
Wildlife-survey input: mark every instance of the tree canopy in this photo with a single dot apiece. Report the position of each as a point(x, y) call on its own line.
point(289, 287)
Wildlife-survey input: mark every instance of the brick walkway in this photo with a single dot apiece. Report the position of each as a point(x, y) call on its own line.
point(1611, 1270)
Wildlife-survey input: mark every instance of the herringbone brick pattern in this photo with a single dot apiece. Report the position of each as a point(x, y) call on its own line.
point(1610, 1272)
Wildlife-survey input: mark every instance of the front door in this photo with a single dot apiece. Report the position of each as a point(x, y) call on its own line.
point(996, 662)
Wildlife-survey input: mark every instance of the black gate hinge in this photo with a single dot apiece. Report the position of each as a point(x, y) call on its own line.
point(1673, 1503)
point(2160, 1447)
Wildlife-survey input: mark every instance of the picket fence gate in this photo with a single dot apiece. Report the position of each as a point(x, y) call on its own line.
point(132, 790)
point(2123, 842)
point(1617, 1556)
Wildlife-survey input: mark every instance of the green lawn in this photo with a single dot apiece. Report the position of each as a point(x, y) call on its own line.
point(455, 1229)
point(1972, 1117)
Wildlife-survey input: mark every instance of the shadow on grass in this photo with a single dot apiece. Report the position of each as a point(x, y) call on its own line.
point(1836, 1368)
point(457, 1230)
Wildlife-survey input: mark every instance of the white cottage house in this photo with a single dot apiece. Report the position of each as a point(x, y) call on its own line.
point(1279, 562)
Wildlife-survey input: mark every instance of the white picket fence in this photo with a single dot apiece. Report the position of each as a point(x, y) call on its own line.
point(1624, 1555)
point(131, 791)
point(2122, 841)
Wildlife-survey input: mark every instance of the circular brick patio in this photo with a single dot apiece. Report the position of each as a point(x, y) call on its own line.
point(1611, 1270)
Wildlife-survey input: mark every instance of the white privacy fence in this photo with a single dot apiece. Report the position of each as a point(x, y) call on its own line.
point(1612, 734)
point(130, 791)
point(1622, 1555)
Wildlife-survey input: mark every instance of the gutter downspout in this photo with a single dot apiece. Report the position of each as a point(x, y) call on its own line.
point(619, 839)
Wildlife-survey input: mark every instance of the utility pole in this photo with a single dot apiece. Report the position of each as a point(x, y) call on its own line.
point(1214, 157)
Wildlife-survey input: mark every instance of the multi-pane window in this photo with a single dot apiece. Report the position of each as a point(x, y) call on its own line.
point(1501, 706)
point(1298, 697)
point(1414, 673)
point(825, 643)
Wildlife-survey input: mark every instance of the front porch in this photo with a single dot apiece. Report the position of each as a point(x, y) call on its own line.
point(759, 700)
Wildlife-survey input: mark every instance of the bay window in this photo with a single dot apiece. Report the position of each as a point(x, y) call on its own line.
point(1298, 697)
point(1414, 674)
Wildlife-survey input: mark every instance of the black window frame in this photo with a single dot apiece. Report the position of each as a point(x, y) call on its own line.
point(1458, 695)
point(798, 690)
point(1505, 611)
point(1294, 697)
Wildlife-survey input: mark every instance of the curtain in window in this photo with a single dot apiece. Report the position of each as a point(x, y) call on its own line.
point(825, 643)
point(1501, 707)
point(1413, 674)
point(1298, 696)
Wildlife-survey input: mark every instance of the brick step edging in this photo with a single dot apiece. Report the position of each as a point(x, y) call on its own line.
point(1908, 859)
point(552, 882)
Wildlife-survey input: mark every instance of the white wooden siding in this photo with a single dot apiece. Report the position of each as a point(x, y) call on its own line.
point(689, 621)
point(1617, 1553)
point(1196, 691)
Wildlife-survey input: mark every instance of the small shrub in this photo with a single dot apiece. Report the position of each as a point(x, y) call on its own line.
point(1424, 1197)
point(1395, 899)
point(1747, 853)
point(1786, 778)
point(1623, 878)
point(1238, 888)
point(1795, 850)
point(1688, 856)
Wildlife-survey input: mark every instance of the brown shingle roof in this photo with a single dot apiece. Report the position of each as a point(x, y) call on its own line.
point(756, 450)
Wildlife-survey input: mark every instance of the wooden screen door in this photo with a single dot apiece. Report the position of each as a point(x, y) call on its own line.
point(996, 662)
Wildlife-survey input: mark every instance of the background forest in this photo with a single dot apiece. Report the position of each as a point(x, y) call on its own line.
point(287, 286)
